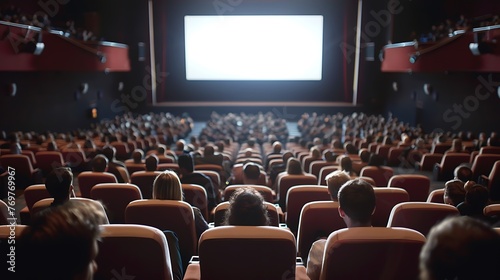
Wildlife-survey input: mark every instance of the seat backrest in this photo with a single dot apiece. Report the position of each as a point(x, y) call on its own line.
point(46, 202)
point(420, 216)
point(134, 167)
point(449, 162)
point(417, 186)
point(88, 179)
point(287, 181)
point(266, 192)
point(492, 210)
point(489, 150)
point(48, 160)
point(317, 220)
point(324, 171)
point(372, 253)
point(21, 163)
point(316, 166)
point(115, 197)
point(196, 196)
point(75, 158)
point(494, 181)
point(168, 166)
point(269, 253)
point(177, 216)
point(35, 193)
point(394, 157)
point(123, 173)
point(483, 164)
point(436, 196)
point(428, 161)
point(144, 180)
point(221, 209)
point(380, 174)
point(136, 250)
point(4, 213)
point(386, 199)
point(440, 148)
point(297, 197)
point(383, 151)
point(213, 175)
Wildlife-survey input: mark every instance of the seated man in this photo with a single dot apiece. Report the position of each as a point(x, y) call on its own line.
point(188, 176)
point(251, 173)
point(59, 184)
point(471, 254)
point(113, 164)
point(66, 235)
point(356, 207)
point(151, 163)
point(209, 157)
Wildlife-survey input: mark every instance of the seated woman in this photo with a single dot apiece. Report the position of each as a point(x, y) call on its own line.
point(246, 208)
point(167, 186)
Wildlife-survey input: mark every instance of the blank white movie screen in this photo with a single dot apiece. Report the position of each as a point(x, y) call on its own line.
point(282, 47)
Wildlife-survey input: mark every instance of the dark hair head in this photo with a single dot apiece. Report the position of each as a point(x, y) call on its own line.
point(99, 163)
point(151, 163)
point(251, 171)
point(186, 162)
point(65, 235)
point(58, 183)
point(460, 247)
point(375, 160)
point(357, 199)
point(208, 151)
point(137, 155)
point(109, 152)
point(463, 173)
point(454, 191)
point(246, 208)
point(293, 167)
point(477, 198)
point(346, 163)
point(286, 156)
point(364, 155)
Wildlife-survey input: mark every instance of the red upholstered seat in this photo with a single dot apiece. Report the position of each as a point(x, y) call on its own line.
point(115, 197)
point(420, 216)
point(372, 253)
point(134, 250)
point(297, 197)
point(417, 186)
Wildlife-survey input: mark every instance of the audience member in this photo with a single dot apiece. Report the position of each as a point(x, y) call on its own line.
point(278, 168)
point(138, 156)
point(188, 176)
point(463, 173)
point(113, 164)
point(356, 206)
point(334, 181)
point(346, 165)
point(476, 198)
point(251, 173)
point(151, 163)
point(460, 248)
point(66, 235)
point(246, 208)
point(167, 186)
point(59, 184)
point(209, 156)
point(99, 163)
point(454, 192)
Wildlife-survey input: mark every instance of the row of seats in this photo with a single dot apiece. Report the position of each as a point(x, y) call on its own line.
point(305, 218)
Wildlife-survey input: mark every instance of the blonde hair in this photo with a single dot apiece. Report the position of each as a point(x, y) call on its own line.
point(167, 186)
